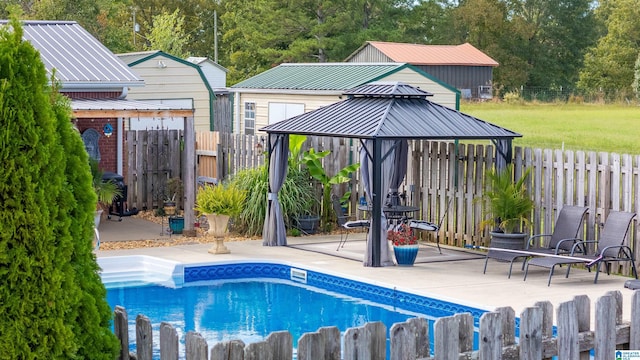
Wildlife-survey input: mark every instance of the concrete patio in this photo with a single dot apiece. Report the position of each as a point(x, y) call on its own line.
point(458, 278)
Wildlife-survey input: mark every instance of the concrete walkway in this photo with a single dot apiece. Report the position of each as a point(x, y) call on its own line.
point(460, 281)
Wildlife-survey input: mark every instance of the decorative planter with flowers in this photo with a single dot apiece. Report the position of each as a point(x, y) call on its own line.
point(405, 244)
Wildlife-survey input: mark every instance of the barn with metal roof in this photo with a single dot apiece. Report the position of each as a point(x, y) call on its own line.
point(462, 66)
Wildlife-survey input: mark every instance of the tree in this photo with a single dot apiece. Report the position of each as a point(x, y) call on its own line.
point(636, 78)
point(53, 302)
point(167, 34)
point(608, 66)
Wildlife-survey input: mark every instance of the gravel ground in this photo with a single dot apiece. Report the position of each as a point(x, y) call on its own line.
point(201, 237)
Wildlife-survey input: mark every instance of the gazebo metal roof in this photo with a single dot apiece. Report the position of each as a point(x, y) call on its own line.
point(375, 113)
point(391, 111)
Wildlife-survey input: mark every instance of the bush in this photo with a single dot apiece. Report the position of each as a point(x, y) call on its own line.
point(53, 302)
point(296, 197)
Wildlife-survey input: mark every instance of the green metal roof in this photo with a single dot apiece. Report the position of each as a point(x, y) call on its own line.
point(320, 76)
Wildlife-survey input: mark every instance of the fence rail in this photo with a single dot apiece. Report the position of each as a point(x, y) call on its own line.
point(453, 336)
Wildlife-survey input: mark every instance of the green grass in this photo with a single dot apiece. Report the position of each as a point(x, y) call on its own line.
point(588, 127)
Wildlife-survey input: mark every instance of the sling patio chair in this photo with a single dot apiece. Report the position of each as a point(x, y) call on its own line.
point(344, 223)
point(561, 241)
point(610, 248)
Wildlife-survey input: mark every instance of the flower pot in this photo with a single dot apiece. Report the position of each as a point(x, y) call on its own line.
point(176, 224)
point(218, 228)
point(307, 223)
point(514, 241)
point(169, 207)
point(406, 254)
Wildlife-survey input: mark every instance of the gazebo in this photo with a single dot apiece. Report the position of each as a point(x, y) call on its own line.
point(382, 116)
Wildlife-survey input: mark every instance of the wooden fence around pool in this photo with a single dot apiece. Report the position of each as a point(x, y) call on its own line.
point(453, 337)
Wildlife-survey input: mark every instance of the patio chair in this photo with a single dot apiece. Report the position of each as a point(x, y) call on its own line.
point(561, 241)
point(610, 248)
point(344, 223)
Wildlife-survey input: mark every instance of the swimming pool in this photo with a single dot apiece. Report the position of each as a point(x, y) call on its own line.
point(227, 295)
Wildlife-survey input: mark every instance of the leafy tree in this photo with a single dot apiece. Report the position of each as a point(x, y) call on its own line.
point(608, 66)
point(636, 78)
point(53, 302)
point(167, 34)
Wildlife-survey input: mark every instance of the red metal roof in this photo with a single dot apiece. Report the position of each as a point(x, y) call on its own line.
point(418, 54)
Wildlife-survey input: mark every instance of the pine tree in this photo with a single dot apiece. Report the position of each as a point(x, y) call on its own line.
point(53, 304)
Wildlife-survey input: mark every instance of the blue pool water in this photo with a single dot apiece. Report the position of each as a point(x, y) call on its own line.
point(248, 301)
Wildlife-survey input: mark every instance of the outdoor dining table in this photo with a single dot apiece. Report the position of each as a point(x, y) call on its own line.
point(394, 212)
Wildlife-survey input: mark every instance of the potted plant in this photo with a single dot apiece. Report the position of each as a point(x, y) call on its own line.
point(405, 244)
point(106, 191)
point(507, 206)
point(219, 203)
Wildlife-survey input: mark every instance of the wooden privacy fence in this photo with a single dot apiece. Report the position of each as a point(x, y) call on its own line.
point(153, 157)
point(453, 337)
point(444, 178)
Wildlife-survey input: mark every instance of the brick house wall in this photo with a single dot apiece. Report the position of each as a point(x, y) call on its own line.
point(108, 145)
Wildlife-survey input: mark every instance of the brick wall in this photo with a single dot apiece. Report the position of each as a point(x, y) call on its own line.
point(107, 145)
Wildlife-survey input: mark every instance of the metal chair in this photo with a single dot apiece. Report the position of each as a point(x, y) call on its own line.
point(343, 221)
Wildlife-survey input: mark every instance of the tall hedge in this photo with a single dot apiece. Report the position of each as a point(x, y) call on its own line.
point(52, 302)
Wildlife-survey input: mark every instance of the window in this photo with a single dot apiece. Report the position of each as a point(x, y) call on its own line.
point(281, 111)
point(249, 118)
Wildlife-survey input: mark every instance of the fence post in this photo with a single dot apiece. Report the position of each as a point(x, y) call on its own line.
point(332, 349)
point(311, 347)
point(583, 309)
point(168, 342)
point(606, 310)
point(258, 351)
point(281, 343)
point(490, 344)
point(445, 338)
point(378, 339)
point(228, 350)
point(121, 329)
point(357, 344)
point(568, 344)
point(195, 346)
point(634, 337)
point(421, 332)
point(144, 338)
point(403, 341)
point(531, 334)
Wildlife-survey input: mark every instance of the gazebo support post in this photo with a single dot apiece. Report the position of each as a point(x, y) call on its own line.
point(377, 203)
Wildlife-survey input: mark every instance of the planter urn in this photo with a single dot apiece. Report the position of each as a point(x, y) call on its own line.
point(406, 254)
point(513, 241)
point(218, 229)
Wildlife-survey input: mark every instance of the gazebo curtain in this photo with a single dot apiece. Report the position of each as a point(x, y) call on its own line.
point(386, 168)
point(274, 232)
point(399, 171)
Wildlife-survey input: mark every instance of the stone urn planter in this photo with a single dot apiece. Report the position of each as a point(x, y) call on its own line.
point(219, 203)
point(218, 229)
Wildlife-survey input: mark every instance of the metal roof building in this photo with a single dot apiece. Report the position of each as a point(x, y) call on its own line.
point(462, 66)
point(80, 61)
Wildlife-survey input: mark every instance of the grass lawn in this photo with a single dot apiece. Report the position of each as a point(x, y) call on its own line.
point(589, 127)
